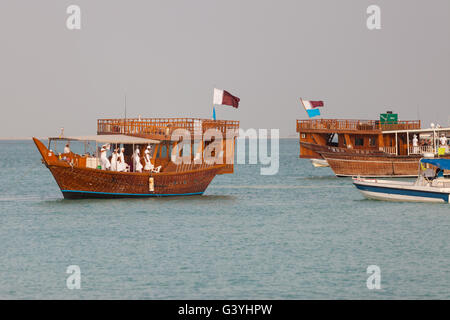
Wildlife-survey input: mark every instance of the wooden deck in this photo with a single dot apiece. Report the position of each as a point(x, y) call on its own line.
point(162, 128)
point(353, 126)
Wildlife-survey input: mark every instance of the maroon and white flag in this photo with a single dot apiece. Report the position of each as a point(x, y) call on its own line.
point(312, 104)
point(225, 98)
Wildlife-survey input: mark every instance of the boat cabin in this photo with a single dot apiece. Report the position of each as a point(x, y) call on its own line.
point(174, 144)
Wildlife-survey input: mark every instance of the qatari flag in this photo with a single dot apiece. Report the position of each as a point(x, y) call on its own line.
point(225, 98)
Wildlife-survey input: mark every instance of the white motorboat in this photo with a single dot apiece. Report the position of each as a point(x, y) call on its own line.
point(430, 186)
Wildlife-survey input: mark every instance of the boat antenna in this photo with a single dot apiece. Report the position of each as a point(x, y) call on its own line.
point(125, 106)
point(418, 114)
point(125, 114)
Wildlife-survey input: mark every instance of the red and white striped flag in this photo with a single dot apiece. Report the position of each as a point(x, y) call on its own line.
point(223, 97)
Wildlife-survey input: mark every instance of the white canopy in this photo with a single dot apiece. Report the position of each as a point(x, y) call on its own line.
point(109, 138)
point(429, 130)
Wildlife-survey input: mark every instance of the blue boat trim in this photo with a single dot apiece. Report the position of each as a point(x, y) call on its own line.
point(404, 192)
point(135, 194)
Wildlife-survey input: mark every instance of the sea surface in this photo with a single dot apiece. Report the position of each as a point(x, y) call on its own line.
point(300, 234)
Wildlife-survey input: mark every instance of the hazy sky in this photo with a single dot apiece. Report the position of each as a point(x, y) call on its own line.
point(167, 56)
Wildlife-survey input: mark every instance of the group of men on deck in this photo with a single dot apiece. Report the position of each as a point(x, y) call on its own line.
point(443, 143)
point(118, 163)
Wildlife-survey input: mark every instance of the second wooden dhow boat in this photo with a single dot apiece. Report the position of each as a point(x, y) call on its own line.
point(367, 164)
point(371, 148)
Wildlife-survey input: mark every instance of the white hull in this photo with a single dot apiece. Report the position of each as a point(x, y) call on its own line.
point(401, 191)
point(396, 197)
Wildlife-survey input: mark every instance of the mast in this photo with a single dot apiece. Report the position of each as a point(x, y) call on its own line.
point(125, 115)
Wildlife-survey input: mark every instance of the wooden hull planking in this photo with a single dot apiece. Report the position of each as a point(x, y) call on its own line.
point(75, 183)
point(346, 165)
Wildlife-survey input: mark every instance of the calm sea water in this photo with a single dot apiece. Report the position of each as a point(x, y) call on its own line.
point(301, 234)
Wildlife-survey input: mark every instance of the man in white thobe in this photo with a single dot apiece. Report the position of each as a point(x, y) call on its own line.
point(148, 164)
point(415, 142)
point(443, 140)
point(114, 160)
point(104, 159)
point(137, 161)
point(121, 164)
point(67, 148)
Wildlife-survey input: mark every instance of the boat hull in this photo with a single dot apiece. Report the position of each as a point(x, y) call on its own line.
point(399, 192)
point(77, 183)
point(81, 182)
point(363, 165)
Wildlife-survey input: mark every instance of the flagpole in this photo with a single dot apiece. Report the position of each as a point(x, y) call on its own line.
point(214, 107)
point(125, 115)
point(125, 106)
point(301, 100)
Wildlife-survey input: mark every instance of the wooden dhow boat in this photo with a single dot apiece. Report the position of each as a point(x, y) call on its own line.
point(345, 163)
point(80, 175)
point(371, 148)
point(430, 186)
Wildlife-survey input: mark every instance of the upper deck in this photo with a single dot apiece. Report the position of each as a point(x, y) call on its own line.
point(162, 128)
point(354, 126)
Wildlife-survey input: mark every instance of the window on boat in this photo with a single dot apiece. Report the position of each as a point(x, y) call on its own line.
point(163, 153)
point(62, 146)
point(359, 141)
point(169, 150)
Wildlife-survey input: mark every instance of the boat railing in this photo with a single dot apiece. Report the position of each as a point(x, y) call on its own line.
point(162, 128)
point(172, 167)
point(352, 150)
point(421, 149)
point(390, 150)
point(400, 125)
point(355, 125)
